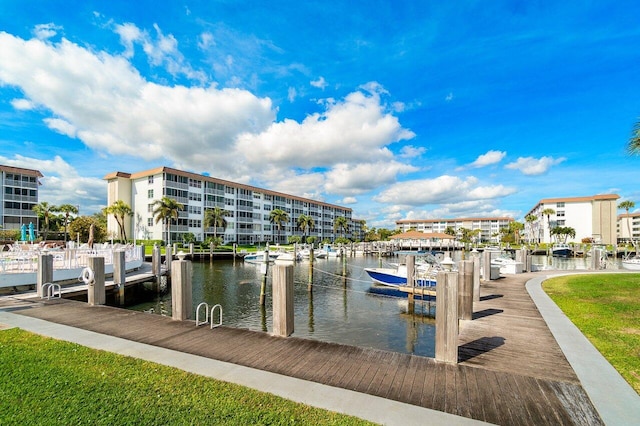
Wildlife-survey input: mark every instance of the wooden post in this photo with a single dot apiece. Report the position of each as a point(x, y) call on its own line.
point(411, 282)
point(119, 274)
point(476, 279)
point(310, 283)
point(191, 250)
point(156, 265)
point(265, 271)
point(181, 290)
point(486, 265)
point(465, 290)
point(45, 272)
point(283, 318)
point(447, 317)
point(95, 290)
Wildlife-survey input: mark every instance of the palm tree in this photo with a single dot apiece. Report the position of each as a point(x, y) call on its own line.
point(216, 218)
point(515, 228)
point(628, 205)
point(634, 142)
point(305, 223)
point(278, 217)
point(44, 211)
point(548, 212)
point(164, 210)
point(120, 210)
point(68, 210)
point(530, 219)
point(340, 223)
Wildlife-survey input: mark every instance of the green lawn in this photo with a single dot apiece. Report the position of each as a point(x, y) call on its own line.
point(46, 381)
point(606, 308)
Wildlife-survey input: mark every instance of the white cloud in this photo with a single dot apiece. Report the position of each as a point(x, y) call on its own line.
point(349, 200)
point(449, 97)
point(356, 129)
point(61, 126)
point(116, 111)
point(363, 177)
point(409, 151)
point(534, 166)
point(319, 83)
point(491, 157)
point(22, 104)
point(62, 184)
point(46, 31)
point(206, 40)
point(129, 34)
point(441, 190)
point(292, 94)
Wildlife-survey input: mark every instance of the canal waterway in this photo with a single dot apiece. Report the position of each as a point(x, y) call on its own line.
point(346, 309)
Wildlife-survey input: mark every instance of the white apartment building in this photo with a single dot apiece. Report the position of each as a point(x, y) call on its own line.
point(591, 217)
point(489, 226)
point(628, 227)
point(19, 196)
point(249, 208)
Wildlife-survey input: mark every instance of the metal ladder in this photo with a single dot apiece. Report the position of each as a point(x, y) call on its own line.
point(208, 314)
point(50, 290)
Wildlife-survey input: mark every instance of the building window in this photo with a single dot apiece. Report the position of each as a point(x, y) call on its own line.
point(560, 205)
point(150, 193)
point(150, 222)
point(150, 180)
point(560, 214)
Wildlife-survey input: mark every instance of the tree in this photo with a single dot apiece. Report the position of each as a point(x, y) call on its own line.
point(562, 232)
point(165, 210)
point(79, 229)
point(305, 223)
point(216, 218)
point(634, 141)
point(628, 205)
point(548, 212)
point(278, 217)
point(68, 210)
point(44, 210)
point(120, 210)
point(450, 230)
point(341, 224)
point(531, 219)
point(516, 227)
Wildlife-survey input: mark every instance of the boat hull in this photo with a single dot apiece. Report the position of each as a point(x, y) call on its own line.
point(631, 265)
point(390, 277)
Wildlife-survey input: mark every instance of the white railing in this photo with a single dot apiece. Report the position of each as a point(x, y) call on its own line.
point(24, 258)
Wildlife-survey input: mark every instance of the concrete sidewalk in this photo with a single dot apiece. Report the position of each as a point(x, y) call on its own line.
point(616, 401)
point(368, 407)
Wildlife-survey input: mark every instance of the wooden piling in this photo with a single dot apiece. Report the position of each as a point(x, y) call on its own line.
point(486, 265)
point(476, 279)
point(95, 289)
point(410, 261)
point(283, 318)
point(447, 317)
point(265, 271)
point(465, 289)
point(45, 272)
point(119, 274)
point(181, 290)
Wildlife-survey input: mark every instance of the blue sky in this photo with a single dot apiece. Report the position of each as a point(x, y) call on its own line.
point(396, 109)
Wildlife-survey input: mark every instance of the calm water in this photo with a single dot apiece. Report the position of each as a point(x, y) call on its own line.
point(339, 309)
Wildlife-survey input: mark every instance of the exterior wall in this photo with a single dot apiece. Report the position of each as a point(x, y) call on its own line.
point(19, 196)
point(250, 208)
point(489, 226)
point(591, 217)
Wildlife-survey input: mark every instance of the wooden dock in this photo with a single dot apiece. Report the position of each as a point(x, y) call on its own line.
point(510, 371)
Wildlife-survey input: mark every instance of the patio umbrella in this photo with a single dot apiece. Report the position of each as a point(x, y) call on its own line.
point(90, 242)
point(23, 232)
point(31, 232)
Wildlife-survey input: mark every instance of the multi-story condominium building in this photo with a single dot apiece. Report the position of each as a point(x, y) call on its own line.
point(628, 227)
point(19, 196)
point(591, 217)
point(249, 208)
point(489, 226)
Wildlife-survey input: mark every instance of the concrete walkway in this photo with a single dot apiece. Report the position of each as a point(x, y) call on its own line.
point(616, 401)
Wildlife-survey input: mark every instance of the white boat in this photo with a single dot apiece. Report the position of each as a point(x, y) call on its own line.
point(259, 257)
point(507, 265)
point(288, 256)
point(396, 277)
point(631, 263)
point(317, 254)
point(561, 250)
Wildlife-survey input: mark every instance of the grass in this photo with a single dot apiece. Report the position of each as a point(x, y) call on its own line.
point(606, 308)
point(47, 381)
